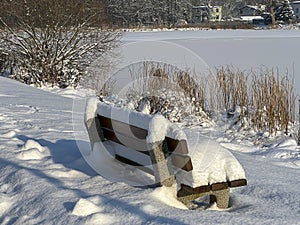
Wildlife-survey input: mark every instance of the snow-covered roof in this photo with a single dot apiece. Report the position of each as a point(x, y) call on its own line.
point(255, 7)
point(295, 2)
point(250, 18)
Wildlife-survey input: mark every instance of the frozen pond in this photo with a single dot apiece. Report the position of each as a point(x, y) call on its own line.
point(243, 49)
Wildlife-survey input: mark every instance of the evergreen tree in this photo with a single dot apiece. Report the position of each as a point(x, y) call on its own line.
point(284, 12)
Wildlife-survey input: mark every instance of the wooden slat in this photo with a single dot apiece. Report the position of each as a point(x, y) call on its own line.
point(197, 190)
point(128, 130)
point(182, 162)
point(237, 183)
point(177, 146)
point(135, 144)
point(219, 186)
point(132, 163)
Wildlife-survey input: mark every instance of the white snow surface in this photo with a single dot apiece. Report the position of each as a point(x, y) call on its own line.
point(59, 187)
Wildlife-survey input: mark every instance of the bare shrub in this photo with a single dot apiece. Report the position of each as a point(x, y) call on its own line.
point(52, 43)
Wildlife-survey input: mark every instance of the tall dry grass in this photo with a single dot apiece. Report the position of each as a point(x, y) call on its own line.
point(266, 100)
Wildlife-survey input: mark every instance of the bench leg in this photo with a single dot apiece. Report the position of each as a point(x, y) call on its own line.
point(94, 131)
point(162, 171)
point(221, 198)
point(188, 198)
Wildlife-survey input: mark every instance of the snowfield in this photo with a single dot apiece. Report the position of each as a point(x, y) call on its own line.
point(44, 178)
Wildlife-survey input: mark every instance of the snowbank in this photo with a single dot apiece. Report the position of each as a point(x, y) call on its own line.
point(30, 193)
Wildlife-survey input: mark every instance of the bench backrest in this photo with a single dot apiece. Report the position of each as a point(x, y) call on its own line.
point(175, 152)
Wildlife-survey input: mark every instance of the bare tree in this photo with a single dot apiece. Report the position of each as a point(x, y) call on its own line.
point(52, 42)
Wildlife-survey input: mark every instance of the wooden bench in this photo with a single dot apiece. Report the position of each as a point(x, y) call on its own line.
point(163, 161)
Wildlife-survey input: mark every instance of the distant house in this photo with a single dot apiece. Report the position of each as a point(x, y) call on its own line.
point(252, 10)
point(296, 8)
point(200, 14)
point(251, 19)
point(215, 13)
point(206, 13)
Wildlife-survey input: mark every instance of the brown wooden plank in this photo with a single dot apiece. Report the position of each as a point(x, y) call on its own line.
point(135, 144)
point(135, 164)
point(182, 161)
point(177, 146)
point(197, 190)
point(126, 129)
point(237, 183)
point(219, 186)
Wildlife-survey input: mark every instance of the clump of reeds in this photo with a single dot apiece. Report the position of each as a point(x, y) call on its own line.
point(170, 88)
point(266, 100)
point(263, 101)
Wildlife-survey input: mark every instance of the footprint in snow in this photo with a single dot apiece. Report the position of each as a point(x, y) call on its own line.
point(31, 109)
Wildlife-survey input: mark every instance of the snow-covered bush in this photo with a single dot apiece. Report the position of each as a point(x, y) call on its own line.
point(53, 47)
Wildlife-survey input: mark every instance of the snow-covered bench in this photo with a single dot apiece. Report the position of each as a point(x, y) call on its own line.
point(160, 148)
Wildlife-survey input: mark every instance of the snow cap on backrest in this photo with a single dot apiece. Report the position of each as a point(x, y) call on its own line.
point(160, 127)
point(91, 108)
point(127, 116)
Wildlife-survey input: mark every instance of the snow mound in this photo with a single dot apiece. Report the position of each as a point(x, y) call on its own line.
point(167, 195)
point(31, 144)
point(32, 150)
point(5, 203)
point(65, 174)
point(287, 151)
point(289, 143)
point(9, 134)
point(85, 207)
point(32, 154)
point(101, 218)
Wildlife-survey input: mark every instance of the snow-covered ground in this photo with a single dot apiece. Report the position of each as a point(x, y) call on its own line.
point(44, 178)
